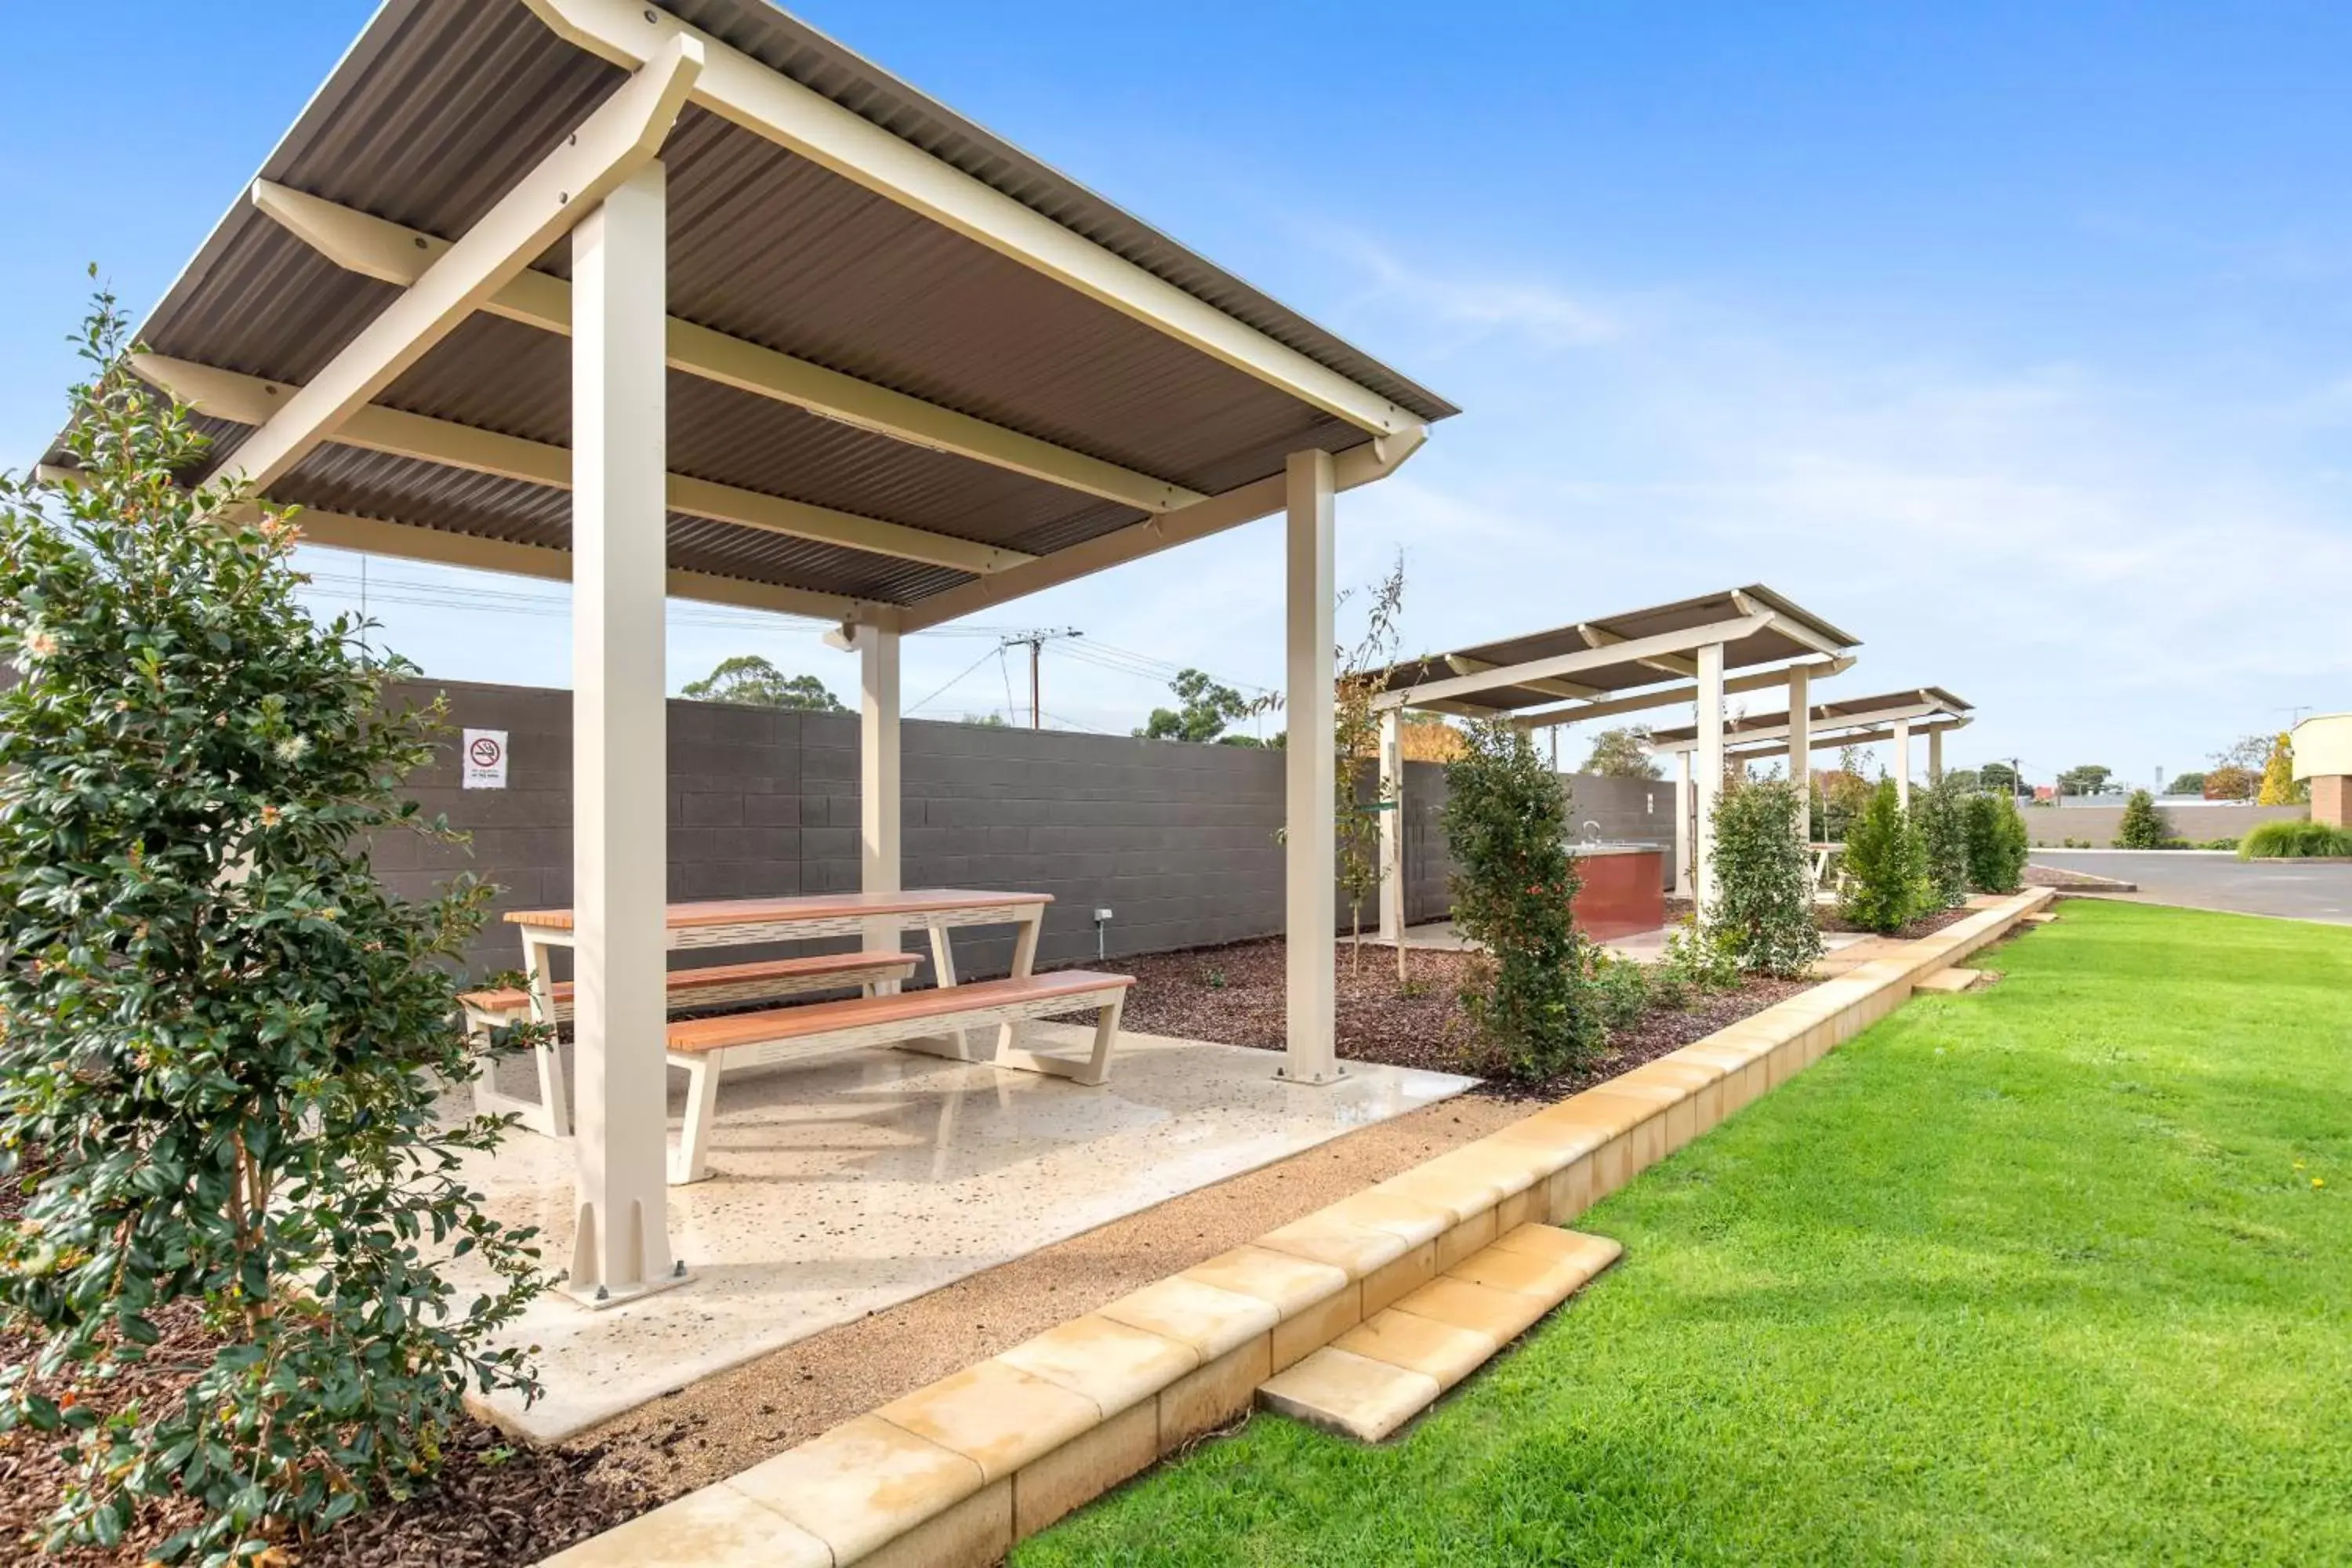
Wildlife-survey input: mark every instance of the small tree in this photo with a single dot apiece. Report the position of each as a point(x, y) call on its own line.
point(1763, 912)
point(221, 1040)
point(1997, 845)
point(1941, 809)
point(2229, 781)
point(2143, 825)
point(2279, 785)
point(1506, 824)
point(2191, 783)
point(1361, 673)
point(1885, 865)
point(750, 681)
point(2089, 778)
point(1204, 708)
point(1622, 754)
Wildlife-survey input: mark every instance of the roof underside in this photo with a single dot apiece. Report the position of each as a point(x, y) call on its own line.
point(1850, 713)
point(1766, 647)
point(443, 105)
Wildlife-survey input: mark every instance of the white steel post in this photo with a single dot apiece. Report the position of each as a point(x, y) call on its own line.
point(1935, 756)
point(1709, 764)
point(1682, 824)
point(1903, 762)
point(620, 850)
point(1800, 749)
point(879, 783)
point(1310, 903)
point(1392, 825)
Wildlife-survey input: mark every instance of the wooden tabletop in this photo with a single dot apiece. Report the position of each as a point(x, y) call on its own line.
point(806, 907)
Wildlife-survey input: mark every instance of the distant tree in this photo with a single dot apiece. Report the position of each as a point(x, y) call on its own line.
point(1203, 709)
point(985, 720)
point(2279, 785)
point(2247, 752)
point(750, 681)
point(2143, 825)
point(2229, 781)
point(1622, 754)
point(1999, 778)
point(1839, 795)
point(2189, 782)
point(1965, 781)
point(2089, 778)
point(1429, 738)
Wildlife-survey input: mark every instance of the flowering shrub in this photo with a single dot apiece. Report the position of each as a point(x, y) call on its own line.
point(220, 1039)
point(1761, 916)
point(1506, 824)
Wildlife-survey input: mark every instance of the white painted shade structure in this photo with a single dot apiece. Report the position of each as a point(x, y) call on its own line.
point(1661, 656)
point(1892, 717)
point(686, 297)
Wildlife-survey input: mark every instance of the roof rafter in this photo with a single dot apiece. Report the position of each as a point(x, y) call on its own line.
point(1463, 664)
point(1597, 635)
point(340, 530)
point(250, 400)
point(1638, 650)
point(1671, 696)
point(391, 253)
point(620, 137)
point(1741, 748)
point(739, 88)
point(1361, 465)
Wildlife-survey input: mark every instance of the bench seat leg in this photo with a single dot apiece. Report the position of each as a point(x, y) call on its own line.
point(550, 1114)
point(1092, 1072)
point(690, 1160)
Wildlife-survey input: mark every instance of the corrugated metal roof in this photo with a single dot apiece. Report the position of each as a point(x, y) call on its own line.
point(443, 104)
point(1767, 646)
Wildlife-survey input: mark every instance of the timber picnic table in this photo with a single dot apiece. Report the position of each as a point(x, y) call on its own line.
point(707, 1048)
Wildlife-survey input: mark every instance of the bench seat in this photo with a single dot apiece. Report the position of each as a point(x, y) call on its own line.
point(712, 985)
point(708, 1047)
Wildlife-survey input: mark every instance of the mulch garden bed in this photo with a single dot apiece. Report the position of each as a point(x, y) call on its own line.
point(1925, 925)
point(1233, 994)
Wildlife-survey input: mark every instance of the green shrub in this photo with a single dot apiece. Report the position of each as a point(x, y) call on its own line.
point(1886, 866)
point(1506, 824)
point(2143, 825)
point(2218, 843)
point(221, 1040)
point(1763, 912)
point(1691, 964)
point(2294, 841)
point(1996, 849)
point(1940, 811)
point(1621, 990)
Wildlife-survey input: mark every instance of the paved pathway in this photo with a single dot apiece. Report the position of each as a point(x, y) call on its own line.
point(2206, 881)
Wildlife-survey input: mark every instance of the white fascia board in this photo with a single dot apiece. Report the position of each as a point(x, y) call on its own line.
point(1639, 650)
point(739, 88)
point(250, 400)
point(622, 136)
point(1375, 459)
point(391, 253)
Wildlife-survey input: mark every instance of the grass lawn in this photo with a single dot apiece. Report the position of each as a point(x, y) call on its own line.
point(2046, 1273)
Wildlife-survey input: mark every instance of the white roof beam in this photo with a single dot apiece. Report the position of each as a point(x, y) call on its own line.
point(1745, 734)
point(1639, 650)
point(391, 253)
point(1597, 635)
point(622, 136)
point(340, 530)
point(1743, 748)
point(250, 400)
point(1461, 664)
point(1672, 696)
point(739, 88)
point(1375, 459)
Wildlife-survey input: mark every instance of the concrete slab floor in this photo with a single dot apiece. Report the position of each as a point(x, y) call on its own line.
point(850, 1184)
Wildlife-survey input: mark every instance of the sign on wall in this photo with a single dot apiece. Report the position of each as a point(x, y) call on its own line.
point(485, 757)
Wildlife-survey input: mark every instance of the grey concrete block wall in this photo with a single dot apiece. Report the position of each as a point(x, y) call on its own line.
point(2049, 826)
point(1179, 842)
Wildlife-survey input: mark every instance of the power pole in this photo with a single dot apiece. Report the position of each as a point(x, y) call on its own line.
point(1036, 641)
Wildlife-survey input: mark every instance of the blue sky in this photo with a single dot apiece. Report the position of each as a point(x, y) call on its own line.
point(2015, 338)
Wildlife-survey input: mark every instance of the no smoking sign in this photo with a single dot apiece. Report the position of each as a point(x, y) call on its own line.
point(485, 754)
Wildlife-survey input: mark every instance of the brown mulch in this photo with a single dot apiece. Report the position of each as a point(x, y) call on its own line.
point(1235, 994)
